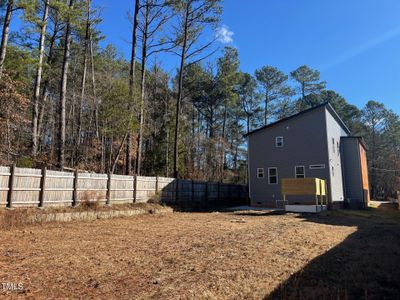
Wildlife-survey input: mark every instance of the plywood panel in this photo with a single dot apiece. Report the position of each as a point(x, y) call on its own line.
point(303, 186)
point(364, 172)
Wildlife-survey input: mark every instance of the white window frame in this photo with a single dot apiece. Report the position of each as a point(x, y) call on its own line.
point(338, 147)
point(260, 171)
point(280, 138)
point(295, 171)
point(269, 176)
point(317, 166)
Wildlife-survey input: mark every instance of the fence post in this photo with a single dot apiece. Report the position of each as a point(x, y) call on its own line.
point(177, 191)
point(135, 179)
point(206, 194)
point(218, 192)
point(108, 196)
point(156, 184)
point(11, 186)
point(75, 193)
point(42, 187)
point(192, 192)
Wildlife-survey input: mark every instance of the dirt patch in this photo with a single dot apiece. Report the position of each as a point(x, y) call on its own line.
point(204, 256)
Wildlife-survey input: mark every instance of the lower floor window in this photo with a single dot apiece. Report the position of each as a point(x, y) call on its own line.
point(260, 172)
point(272, 175)
point(300, 172)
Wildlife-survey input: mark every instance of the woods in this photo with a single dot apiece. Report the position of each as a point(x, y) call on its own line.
point(69, 101)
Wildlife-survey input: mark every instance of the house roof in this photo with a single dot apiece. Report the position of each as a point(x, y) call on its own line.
point(326, 104)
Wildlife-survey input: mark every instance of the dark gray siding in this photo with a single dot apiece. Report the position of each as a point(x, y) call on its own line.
point(305, 144)
point(352, 172)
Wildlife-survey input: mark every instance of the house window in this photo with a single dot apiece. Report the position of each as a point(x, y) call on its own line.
point(315, 167)
point(333, 145)
point(338, 147)
point(260, 172)
point(333, 171)
point(279, 141)
point(272, 175)
point(300, 172)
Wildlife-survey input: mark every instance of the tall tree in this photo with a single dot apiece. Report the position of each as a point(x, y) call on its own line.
point(63, 88)
point(373, 115)
point(128, 165)
point(154, 18)
point(192, 18)
point(309, 81)
point(274, 84)
point(250, 100)
point(38, 79)
point(5, 35)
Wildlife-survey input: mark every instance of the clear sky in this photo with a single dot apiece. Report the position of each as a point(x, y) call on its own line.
point(354, 43)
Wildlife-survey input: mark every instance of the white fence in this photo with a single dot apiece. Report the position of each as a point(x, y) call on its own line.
point(22, 187)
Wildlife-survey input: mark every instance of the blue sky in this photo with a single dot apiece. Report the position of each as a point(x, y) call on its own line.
point(355, 44)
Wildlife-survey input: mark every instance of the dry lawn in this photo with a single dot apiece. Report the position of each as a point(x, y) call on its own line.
point(206, 256)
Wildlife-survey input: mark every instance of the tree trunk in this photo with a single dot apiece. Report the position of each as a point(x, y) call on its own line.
point(83, 85)
point(6, 31)
point(118, 154)
point(180, 88)
point(38, 79)
point(63, 93)
point(266, 108)
point(142, 90)
point(46, 83)
point(128, 166)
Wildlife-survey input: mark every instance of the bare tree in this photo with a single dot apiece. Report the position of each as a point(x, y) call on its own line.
point(38, 79)
point(192, 16)
point(128, 165)
point(6, 31)
point(63, 91)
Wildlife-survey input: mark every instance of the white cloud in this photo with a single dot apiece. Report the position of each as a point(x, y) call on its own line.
point(224, 35)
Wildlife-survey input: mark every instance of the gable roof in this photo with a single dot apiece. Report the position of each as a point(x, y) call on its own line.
point(325, 104)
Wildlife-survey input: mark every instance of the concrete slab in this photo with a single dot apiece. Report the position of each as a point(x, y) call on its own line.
point(250, 208)
point(305, 208)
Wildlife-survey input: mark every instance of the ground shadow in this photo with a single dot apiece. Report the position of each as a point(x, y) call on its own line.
point(364, 266)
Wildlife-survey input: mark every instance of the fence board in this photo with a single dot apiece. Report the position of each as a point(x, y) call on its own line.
point(4, 178)
point(58, 189)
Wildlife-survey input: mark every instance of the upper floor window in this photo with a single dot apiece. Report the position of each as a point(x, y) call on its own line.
point(260, 172)
point(300, 172)
point(279, 141)
point(272, 175)
point(333, 145)
point(338, 147)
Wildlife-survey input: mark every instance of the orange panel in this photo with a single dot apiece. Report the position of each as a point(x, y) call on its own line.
point(364, 171)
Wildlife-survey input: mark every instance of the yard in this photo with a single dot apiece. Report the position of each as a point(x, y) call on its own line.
point(207, 256)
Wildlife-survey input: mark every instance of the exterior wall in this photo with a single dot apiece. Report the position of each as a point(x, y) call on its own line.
point(351, 171)
point(305, 144)
point(364, 174)
point(334, 133)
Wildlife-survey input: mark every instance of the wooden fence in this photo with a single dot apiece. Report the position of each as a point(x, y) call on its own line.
point(22, 187)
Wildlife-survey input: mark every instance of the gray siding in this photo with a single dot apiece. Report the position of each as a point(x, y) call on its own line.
point(334, 132)
point(352, 172)
point(305, 144)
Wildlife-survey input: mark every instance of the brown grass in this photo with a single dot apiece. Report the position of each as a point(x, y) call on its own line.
point(206, 256)
point(90, 201)
point(21, 217)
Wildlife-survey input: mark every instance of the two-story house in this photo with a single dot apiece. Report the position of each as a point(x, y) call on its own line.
point(312, 143)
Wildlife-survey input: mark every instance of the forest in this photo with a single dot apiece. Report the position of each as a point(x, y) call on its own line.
point(68, 100)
